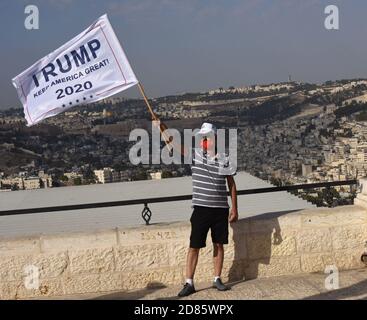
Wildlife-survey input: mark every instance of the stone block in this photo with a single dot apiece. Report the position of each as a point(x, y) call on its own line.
point(331, 217)
point(240, 227)
point(265, 245)
point(77, 241)
point(150, 278)
point(9, 247)
point(92, 283)
point(49, 266)
point(348, 259)
point(178, 253)
point(274, 221)
point(17, 289)
point(12, 268)
point(236, 270)
point(151, 234)
point(275, 266)
point(239, 248)
point(349, 236)
point(92, 261)
point(314, 241)
point(141, 257)
point(316, 262)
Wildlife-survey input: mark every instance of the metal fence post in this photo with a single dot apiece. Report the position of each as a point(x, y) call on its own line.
point(146, 214)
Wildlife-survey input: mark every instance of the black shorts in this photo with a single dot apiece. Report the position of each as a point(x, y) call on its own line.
point(205, 218)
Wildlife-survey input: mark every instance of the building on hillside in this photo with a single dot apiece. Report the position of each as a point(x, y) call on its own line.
point(156, 175)
point(306, 169)
point(31, 183)
point(107, 175)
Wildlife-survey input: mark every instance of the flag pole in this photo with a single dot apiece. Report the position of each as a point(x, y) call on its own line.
point(154, 117)
point(147, 101)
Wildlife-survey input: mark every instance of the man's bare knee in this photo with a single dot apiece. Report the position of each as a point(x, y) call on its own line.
point(194, 250)
point(217, 247)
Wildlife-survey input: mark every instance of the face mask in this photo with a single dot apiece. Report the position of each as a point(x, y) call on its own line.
point(206, 144)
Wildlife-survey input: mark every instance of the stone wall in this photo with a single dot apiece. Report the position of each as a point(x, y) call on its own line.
point(124, 259)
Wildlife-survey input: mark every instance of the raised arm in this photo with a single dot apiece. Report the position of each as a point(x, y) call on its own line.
point(169, 141)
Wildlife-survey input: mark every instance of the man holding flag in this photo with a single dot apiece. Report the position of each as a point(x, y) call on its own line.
point(93, 66)
point(211, 171)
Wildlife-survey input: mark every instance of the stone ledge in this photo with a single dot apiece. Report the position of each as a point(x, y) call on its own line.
point(76, 241)
point(326, 217)
point(20, 246)
point(132, 258)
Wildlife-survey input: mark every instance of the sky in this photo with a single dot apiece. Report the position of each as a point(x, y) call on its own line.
point(177, 46)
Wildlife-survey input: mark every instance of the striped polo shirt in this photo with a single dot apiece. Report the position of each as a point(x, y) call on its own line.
point(209, 179)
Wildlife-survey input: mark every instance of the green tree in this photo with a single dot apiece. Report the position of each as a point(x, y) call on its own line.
point(166, 174)
point(139, 175)
point(77, 181)
point(89, 176)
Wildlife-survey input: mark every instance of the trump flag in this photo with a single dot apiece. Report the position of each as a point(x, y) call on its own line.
point(90, 67)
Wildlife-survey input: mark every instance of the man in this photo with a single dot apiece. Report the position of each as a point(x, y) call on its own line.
point(210, 172)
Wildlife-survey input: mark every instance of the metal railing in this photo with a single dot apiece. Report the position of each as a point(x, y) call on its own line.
point(147, 214)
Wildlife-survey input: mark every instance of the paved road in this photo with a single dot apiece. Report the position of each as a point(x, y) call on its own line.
point(352, 285)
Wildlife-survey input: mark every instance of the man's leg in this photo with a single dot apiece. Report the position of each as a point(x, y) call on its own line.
point(199, 230)
point(218, 257)
point(191, 262)
point(219, 229)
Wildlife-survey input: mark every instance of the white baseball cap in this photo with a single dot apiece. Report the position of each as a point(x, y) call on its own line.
point(207, 128)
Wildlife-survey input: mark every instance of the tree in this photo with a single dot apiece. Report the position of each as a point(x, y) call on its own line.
point(89, 175)
point(276, 181)
point(140, 175)
point(166, 174)
point(118, 166)
point(77, 181)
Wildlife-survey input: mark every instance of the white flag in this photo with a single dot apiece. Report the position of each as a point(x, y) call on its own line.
point(90, 67)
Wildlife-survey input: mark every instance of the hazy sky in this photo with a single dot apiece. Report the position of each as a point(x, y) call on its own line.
point(190, 45)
